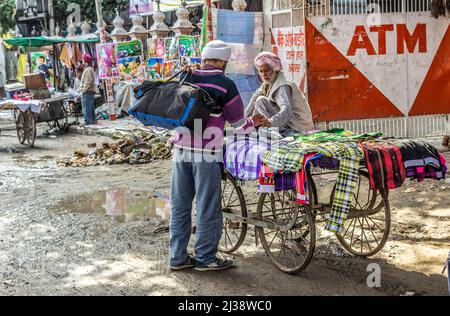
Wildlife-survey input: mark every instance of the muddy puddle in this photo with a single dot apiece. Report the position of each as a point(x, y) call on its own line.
point(22, 158)
point(122, 204)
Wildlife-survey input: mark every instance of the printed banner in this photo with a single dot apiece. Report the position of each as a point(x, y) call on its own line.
point(129, 49)
point(107, 63)
point(189, 46)
point(130, 67)
point(171, 48)
point(157, 47)
point(155, 68)
point(169, 69)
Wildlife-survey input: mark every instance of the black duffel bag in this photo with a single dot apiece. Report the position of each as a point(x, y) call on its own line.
point(171, 104)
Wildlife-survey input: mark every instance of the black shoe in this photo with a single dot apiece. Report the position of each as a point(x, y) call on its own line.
point(216, 265)
point(189, 263)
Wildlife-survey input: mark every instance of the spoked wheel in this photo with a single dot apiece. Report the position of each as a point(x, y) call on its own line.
point(233, 202)
point(26, 128)
point(368, 222)
point(290, 236)
point(63, 124)
point(21, 127)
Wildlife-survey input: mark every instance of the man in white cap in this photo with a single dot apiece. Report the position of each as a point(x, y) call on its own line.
point(197, 167)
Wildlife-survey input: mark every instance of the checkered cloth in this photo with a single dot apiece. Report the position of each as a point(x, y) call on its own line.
point(242, 153)
point(290, 158)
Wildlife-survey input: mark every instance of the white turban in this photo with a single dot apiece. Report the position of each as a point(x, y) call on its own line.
point(216, 50)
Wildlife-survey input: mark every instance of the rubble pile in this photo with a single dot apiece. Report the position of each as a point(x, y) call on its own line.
point(131, 149)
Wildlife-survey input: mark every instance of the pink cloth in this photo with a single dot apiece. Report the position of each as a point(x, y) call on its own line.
point(269, 59)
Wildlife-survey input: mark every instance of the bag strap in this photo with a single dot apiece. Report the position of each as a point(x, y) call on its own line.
point(185, 77)
point(179, 73)
point(175, 75)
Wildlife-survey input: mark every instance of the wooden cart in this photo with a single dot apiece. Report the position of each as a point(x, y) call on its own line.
point(52, 111)
point(287, 229)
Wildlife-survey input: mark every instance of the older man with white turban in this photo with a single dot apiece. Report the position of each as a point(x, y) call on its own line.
point(280, 101)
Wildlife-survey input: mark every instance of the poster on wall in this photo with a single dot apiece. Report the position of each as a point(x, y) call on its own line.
point(36, 59)
point(129, 60)
point(290, 47)
point(169, 69)
point(129, 67)
point(156, 47)
point(39, 65)
point(171, 48)
point(106, 56)
point(195, 60)
point(155, 68)
point(129, 49)
point(189, 46)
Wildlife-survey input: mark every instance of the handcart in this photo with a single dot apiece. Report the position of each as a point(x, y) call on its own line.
point(287, 229)
point(28, 113)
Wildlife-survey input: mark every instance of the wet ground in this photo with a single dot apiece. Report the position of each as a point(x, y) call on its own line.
point(103, 231)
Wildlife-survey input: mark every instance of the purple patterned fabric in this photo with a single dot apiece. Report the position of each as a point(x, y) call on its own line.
point(242, 157)
point(284, 181)
point(326, 163)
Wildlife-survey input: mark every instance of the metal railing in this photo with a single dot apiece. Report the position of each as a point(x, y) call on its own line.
point(282, 5)
point(411, 127)
point(346, 7)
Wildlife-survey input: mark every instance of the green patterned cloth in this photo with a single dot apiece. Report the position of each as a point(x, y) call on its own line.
point(335, 135)
point(290, 158)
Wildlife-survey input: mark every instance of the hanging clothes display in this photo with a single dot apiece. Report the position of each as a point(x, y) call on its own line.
point(22, 65)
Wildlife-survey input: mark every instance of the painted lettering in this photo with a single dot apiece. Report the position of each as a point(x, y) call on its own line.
point(419, 37)
point(361, 41)
point(415, 42)
point(381, 30)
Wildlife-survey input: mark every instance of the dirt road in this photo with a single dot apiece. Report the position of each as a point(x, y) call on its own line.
point(56, 238)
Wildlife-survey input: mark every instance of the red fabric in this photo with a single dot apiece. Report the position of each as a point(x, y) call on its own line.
point(385, 165)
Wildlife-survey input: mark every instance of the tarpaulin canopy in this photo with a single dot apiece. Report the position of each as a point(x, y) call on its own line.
point(41, 41)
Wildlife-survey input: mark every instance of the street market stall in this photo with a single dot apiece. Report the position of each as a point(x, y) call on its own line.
point(38, 105)
point(288, 210)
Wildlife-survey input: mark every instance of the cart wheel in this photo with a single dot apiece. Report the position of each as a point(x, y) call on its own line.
point(26, 128)
point(31, 128)
point(21, 127)
point(63, 124)
point(290, 248)
point(51, 124)
point(368, 222)
point(233, 231)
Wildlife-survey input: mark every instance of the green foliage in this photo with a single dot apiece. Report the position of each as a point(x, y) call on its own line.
point(8, 17)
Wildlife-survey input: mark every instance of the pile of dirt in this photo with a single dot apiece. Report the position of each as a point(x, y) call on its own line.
point(131, 149)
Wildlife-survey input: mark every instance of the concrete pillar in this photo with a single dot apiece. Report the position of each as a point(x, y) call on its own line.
point(182, 26)
point(240, 5)
point(119, 34)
